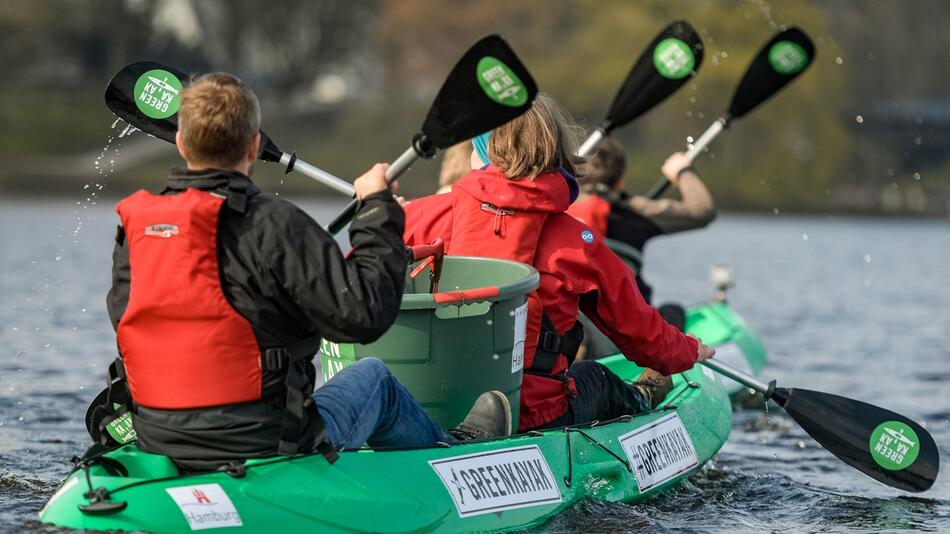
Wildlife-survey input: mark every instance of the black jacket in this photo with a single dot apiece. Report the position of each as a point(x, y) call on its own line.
point(288, 277)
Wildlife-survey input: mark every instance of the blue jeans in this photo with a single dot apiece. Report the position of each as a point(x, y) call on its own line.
point(364, 403)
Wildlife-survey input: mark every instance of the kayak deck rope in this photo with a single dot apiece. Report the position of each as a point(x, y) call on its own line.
point(569, 478)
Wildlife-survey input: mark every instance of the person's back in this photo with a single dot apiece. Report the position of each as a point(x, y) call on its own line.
point(523, 218)
point(221, 294)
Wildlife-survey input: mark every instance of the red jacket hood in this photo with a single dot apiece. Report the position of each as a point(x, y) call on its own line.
point(548, 192)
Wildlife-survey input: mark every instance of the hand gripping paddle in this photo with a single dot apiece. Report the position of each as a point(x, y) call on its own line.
point(488, 87)
point(672, 58)
point(146, 95)
point(779, 62)
point(884, 445)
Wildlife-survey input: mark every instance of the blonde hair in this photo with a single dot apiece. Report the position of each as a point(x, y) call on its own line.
point(456, 162)
point(218, 119)
point(543, 138)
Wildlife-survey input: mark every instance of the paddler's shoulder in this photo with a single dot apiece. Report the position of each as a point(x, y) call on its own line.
point(565, 236)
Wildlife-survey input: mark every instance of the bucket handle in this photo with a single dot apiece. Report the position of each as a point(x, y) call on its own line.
point(433, 255)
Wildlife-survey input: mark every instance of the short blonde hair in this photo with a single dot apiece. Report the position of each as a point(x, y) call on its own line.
point(456, 162)
point(218, 118)
point(541, 139)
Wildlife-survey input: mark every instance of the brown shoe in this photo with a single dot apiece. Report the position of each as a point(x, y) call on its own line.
point(654, 386)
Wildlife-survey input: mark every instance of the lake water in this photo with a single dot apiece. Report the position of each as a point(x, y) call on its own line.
point(855, 306)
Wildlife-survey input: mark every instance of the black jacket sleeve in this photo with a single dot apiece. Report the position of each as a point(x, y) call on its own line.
point(118, 297)
point(352, 299)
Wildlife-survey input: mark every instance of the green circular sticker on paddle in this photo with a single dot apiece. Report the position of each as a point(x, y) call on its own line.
point(157, 93)
point(787, 58)
point(673, 58)
point(500, 83)
point(894, 445)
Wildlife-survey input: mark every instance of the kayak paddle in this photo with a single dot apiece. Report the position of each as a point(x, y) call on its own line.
point(488, 87)
point(145, 94)
point(780, 61)
point(671, 59)
point(884, 445)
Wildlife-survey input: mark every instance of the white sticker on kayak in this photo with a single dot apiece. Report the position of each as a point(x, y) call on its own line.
point(731, 354)
point(517, 350)
point(205, 506)
point(491, 482)
point(659, 451)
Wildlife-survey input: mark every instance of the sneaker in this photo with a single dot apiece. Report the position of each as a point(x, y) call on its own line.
point(654, 386)
point(490, 417)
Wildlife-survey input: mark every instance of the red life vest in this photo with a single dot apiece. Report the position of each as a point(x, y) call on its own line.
point(592, 210)
point(182, 343)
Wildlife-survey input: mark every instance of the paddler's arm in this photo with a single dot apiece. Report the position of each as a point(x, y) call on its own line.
point(617, 308)
point(353, 299)
point(694, 210)
point(118, 297)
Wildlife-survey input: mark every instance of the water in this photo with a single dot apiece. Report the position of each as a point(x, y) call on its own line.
point(852, 306)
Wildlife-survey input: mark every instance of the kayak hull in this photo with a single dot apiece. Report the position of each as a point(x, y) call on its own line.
point(414, 490)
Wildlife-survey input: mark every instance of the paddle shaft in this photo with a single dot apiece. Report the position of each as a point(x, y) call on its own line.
point(737, 375)
point(589, 144)
point(395, 170)
point(695, 149)
point(292, 163)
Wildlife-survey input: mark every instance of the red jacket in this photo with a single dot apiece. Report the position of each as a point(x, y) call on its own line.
point(525, 220)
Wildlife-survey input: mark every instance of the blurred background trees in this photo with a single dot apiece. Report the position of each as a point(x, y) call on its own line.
point(345, 83)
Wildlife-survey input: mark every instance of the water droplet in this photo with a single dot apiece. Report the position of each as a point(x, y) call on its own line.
point(775, 211)
point(804, 237)
point(689, 139)
point(801, 444)
point(838, 60)
point(58, 258)
point(867, 258)
point(917, 176)
point(494, 356)
point(918, 140)
point(859, 119)
point(83, 310)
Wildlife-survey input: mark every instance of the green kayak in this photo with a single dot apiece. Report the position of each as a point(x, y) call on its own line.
point(446, 347)
point(495, 485)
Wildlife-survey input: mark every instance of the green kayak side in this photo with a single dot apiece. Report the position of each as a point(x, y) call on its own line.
point(419, 490)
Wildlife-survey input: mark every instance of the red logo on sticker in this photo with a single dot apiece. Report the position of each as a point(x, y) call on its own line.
point(161, 230)
point(200, 497)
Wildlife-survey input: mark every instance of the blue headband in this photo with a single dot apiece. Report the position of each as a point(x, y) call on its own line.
point(481, 146)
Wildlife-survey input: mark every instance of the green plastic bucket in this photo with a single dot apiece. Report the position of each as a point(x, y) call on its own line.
point(450, 347)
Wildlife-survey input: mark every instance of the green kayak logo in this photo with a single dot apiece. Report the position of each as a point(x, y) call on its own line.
point(121, 429)
point(157, 94)
point(500, 83)
point(673, 59)
point(894, 445)
point(787, 58)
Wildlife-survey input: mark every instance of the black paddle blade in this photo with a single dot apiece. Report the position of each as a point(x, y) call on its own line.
point(780, 61)
point(488, 87)
point(146, 94)
point(670, 60)
point(884, 445)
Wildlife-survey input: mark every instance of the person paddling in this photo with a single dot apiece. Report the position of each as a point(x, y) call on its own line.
point(512, 205)
point(221, 294)
point(634, 220)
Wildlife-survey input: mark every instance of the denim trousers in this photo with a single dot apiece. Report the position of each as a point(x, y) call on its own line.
point(364, 403)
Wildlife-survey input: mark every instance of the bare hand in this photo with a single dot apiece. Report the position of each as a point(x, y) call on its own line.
point(673, 165)
point(373, 181)
point(705, 351)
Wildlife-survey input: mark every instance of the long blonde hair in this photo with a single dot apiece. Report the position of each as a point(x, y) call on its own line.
point(543, 138)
